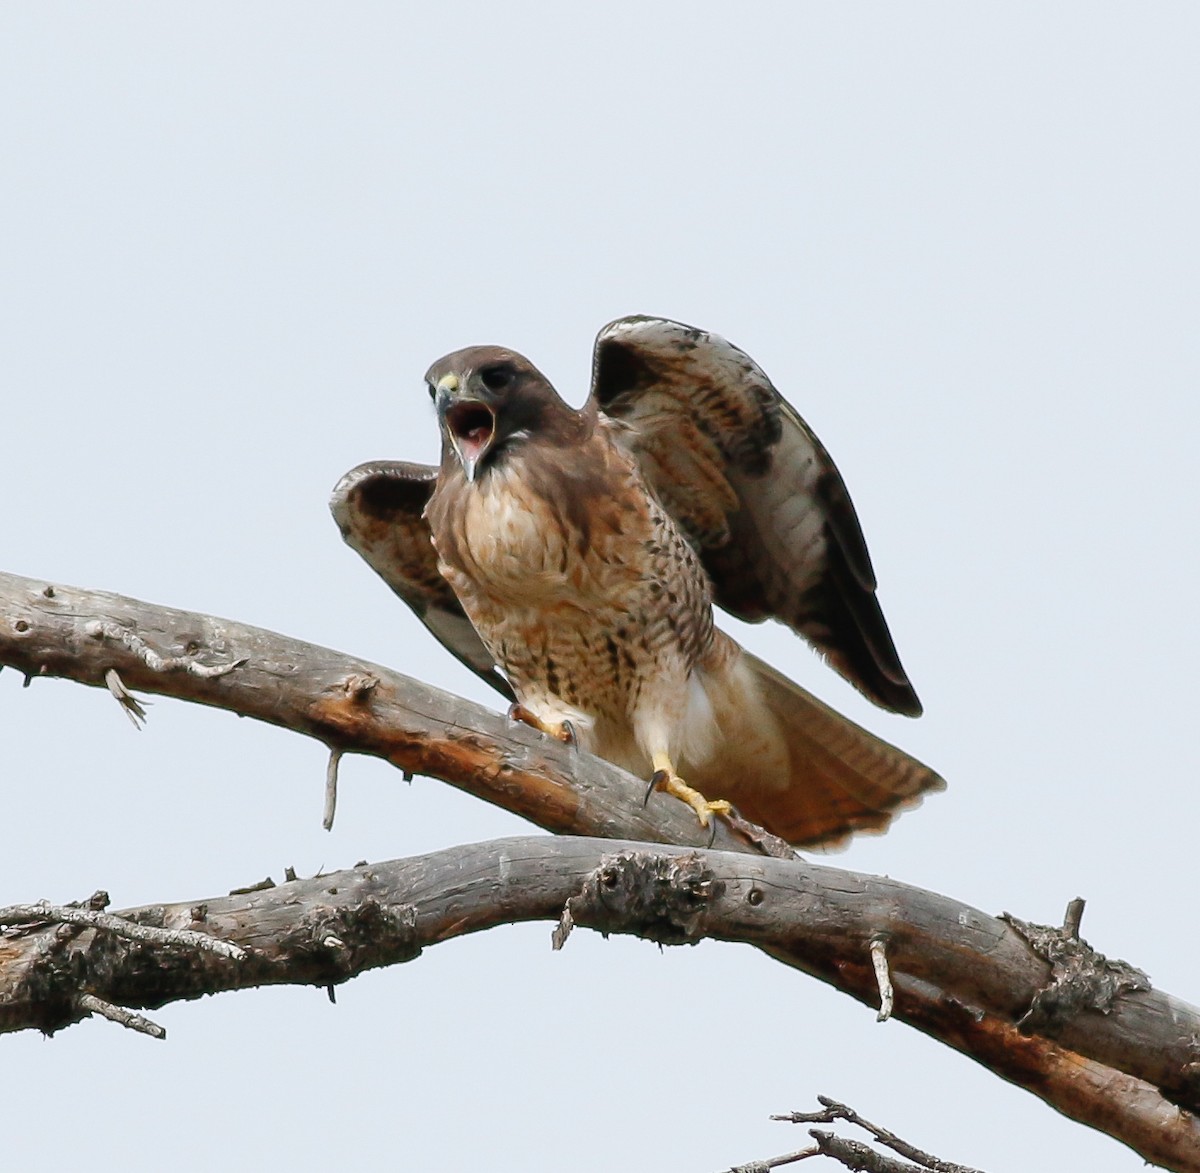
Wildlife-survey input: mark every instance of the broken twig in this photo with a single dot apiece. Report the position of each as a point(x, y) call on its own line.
point(90, 1004)
point(331, 783)
point(133, 708)
point(887, 995)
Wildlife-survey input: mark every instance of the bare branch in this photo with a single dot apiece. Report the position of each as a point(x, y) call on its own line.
point(90, 1004)
point(1115, 1053)
point(956, 971)
point(348, 704)
point(776, 1162)
point(856, 1155)
point(45, 913)
point(832, 1111)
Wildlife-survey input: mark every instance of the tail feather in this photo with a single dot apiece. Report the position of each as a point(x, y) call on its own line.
point(802, 770)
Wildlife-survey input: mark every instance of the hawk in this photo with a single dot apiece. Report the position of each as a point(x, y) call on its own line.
point(572, 558)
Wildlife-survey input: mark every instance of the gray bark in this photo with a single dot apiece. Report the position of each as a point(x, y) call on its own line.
point(349, 704)
point(1033, 1005)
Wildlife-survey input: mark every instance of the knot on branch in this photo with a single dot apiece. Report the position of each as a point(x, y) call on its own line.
point(664, 898)
point(343, 941)
point(343, 709)
point(56, 978)
point(1080, 978)
point(359, 686)
point(1187, 1093)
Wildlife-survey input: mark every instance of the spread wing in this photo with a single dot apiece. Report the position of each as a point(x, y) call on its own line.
point(379, 508)
point(754, 489)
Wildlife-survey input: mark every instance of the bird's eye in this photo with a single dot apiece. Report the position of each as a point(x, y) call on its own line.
point(497, 377)
point(432, 390)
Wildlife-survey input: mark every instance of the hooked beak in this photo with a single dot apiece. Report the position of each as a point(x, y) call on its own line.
point(470, 423)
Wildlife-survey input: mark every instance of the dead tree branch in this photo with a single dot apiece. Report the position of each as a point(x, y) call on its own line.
point(947, 961)
point(43, 913)
point(829, 1144)
point(89, 1004)
point(853, 1154)
point(1035, 1006)
point(350, 705)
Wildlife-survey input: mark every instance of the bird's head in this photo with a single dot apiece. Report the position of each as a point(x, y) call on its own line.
point(488, 401)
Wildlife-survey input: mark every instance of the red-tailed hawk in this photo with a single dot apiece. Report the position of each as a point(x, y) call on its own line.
point(571, 558)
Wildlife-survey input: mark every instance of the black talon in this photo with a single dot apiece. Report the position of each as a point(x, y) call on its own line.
point(656, 780)
point(520, 715)
point(569, 735)
point(712, 835)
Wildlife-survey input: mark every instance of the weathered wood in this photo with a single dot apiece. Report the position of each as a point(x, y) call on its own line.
point(959, 975)
point(349, 704)
point(855, 1155)
point(947, 959)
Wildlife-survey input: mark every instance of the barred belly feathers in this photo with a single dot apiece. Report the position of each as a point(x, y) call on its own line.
point(580, 553)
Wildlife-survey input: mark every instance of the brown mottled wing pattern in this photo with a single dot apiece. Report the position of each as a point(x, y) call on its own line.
point(379, 507)
point(754, 489)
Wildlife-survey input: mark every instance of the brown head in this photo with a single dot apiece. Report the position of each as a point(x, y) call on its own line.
point(489, 402)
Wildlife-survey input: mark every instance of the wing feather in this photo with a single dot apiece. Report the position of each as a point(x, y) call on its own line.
point(379, 508)
point(754, 489)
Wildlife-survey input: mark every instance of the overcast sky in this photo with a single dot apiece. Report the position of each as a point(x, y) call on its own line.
point(962, 241)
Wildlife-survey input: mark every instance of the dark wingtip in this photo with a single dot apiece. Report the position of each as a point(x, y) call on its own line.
point(905, 702)
point(883, 684)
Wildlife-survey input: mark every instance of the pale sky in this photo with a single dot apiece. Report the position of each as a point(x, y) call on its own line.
point(962, 241)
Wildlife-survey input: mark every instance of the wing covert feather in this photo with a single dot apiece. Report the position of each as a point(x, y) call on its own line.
point(379, 508)
point(754, 489)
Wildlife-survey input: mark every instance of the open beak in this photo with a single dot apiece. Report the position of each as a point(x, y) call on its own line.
point(470, 424)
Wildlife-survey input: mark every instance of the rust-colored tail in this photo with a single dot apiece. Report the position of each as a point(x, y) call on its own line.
point(838, 777)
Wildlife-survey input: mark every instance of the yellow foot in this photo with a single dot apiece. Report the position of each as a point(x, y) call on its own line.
point(563, 730)
point(666, 779)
